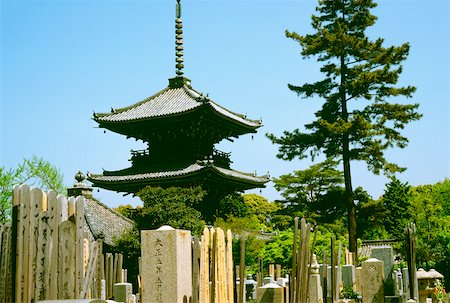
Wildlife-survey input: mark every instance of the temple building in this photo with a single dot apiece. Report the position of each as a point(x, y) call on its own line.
point(180, 127)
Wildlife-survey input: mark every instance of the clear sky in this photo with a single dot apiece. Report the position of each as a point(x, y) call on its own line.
point(63, 60)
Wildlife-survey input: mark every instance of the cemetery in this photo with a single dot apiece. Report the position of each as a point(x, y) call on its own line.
point(70, 247)
point(63, 261)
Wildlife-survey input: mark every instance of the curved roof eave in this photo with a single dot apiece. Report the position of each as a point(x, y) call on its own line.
point(190, 170)
point(169, 102)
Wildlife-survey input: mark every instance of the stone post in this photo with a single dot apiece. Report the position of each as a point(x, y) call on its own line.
point(385, 254)
point(315, 289)
point(372, 281)
point(166, 265)
point(270, 293)
point(123, 292)
point(348, 275)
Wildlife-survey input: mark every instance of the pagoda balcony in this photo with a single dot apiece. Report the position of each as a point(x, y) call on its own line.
point(221, 159)
point(140, 153)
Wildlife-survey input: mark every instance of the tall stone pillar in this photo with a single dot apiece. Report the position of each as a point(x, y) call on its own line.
point(166, 265)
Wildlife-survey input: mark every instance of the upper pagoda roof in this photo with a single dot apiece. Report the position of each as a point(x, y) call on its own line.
point(178, 100)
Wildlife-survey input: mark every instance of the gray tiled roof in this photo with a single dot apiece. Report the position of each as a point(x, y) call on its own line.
point(193, 168)
point(170, 101)
point(102, 221)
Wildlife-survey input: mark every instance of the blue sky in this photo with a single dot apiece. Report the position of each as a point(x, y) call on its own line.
point(62, 60)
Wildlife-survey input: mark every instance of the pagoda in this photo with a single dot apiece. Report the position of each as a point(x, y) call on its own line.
point(180, 127)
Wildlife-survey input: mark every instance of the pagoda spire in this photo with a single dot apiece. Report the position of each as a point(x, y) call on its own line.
point(179, 40)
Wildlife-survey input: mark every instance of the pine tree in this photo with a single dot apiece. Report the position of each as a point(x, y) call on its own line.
point(396, 201)
point(356, 122)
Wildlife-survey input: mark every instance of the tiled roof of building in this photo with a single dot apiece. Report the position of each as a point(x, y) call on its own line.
point(191, 169)
point(103, 222)
point(172, 100)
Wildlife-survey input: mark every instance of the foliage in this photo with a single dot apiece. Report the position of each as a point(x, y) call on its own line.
point(314, 190)
point(433, 225)
point(128, 211)
point(174, 206)
point(35, 172)
point(396, 202)
point(129, 245)
point(439, 290)
point(356, 122)
point(349, 293)
point(261, 208)
point(232, 205)
point(370, 220)
point(280, 250)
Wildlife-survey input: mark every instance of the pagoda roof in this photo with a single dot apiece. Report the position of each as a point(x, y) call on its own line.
point(135, 182)
point(176, 100)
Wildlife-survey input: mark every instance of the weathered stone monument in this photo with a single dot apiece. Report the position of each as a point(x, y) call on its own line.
point(166, 265)
point(385, 253)
point(358, 274)
point(372, 281)
point(123, 292)
point(348, 275)
point(270, 293)
point(315, 288)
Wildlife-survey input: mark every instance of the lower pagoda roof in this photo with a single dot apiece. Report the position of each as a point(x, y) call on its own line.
point(203, 173)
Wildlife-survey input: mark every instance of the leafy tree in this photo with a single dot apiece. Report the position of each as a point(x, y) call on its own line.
point(261, 208)
point(396, 202)
point(315, 191)
point(232, 205)
point(433, 225)
point(35, 172)
point(370, 220)
point(174, 206)
point(356, 122)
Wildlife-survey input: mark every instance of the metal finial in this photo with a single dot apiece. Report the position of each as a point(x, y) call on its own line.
point(179, 40)
point(79, 177)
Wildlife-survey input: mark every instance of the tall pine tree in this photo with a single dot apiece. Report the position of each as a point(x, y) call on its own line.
point(356, 122)
point(396, 201)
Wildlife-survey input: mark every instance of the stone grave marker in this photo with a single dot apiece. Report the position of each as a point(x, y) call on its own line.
point(123, 292)
point(348, 275)
point(372, 281)
point(315, 288)
point(358, 273)
point(270, 293)
point(166, 265)
point(385, 254)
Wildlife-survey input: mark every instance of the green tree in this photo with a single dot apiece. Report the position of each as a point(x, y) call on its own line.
point(174, 206)
point(396, 202)
point(370, 220)
point(232, 205)
point(432, 223)
point(315, 191)
point(34, 172)
point(356, 122)
point(262, 208)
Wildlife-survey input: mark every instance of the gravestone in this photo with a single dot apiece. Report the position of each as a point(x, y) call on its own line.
point(315, 288)
point(358, 273)
point(398, 283)
point(372, 281)
point(348, 275)
point(166, 265)
point(385, 254)
point(123, 292)
point(270, 293)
